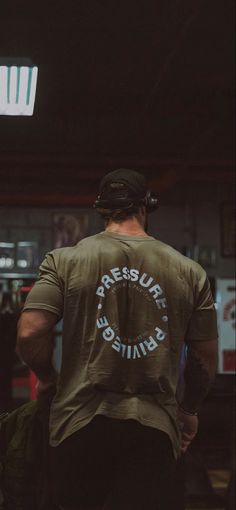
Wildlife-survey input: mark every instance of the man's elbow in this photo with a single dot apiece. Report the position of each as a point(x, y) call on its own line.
point(23, 340)
point(207, 354)
point(212, 356)
point(25, 334)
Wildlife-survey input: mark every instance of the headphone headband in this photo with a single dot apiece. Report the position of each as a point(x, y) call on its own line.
point(150, 201)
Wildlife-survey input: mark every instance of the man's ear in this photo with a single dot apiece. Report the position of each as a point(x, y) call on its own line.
point(142, 210)
point(143, 214)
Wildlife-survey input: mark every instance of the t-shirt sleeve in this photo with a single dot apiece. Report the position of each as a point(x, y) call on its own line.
point(47, 293)
point(203, 322)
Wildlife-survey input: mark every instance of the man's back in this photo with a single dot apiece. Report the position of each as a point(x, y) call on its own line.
point(128, 304)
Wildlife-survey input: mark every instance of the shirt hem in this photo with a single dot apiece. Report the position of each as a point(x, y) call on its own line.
point(130, 416)
point(40, 306)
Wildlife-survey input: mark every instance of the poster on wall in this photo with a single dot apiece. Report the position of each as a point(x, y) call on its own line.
point(69, 229)
point(226, 314)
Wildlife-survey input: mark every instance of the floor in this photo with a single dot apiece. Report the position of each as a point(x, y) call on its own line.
point(217, 496)
point(219, 480)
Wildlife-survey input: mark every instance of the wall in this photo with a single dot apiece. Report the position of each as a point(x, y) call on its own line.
point(36, 224)
point(188, 219)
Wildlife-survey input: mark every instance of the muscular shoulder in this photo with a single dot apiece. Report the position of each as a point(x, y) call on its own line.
point(62, 257)
point(180, 263)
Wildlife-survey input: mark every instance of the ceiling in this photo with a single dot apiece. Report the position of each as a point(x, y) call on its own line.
point(144, 84)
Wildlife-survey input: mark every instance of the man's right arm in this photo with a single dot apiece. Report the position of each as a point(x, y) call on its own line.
point(201, 360)
point(199, 375)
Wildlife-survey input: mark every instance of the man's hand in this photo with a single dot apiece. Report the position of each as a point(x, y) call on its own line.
point(189, 428)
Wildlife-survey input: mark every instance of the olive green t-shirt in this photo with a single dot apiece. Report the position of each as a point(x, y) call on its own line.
point(128, 305)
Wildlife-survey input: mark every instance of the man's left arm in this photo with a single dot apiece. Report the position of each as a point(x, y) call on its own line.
point(35, 344)
point(42, 310)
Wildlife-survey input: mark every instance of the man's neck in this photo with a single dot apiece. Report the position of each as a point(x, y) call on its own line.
point(130, 227)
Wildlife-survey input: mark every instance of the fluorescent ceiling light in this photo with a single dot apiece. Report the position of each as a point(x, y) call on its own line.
point(17, 89)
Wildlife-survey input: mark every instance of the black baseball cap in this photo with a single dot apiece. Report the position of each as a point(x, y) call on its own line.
point(123, 179)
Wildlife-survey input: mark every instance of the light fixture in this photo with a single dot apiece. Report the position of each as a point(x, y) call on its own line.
point(18, 80)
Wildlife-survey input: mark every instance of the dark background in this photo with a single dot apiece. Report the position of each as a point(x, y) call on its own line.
point(144, 84)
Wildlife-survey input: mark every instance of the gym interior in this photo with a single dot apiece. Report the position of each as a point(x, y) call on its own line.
point(143, 85)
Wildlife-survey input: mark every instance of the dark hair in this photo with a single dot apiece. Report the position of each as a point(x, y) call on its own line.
point(118, 215)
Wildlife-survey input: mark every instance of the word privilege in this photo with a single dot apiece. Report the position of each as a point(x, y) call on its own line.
point(128, 351)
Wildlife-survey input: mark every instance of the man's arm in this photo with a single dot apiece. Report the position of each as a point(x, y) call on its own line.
point(35, 343)
point(199, 375)
point(201, 362)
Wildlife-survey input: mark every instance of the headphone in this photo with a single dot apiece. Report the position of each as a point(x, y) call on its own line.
point(122, 200)
point(150, 201)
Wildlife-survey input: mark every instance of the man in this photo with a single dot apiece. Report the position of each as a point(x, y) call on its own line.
point(129, 303)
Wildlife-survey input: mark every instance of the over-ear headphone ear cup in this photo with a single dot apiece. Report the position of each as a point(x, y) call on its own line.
point(151, 202)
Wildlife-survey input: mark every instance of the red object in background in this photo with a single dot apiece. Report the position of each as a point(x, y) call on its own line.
point(28, 382)
point(229, 360)
point(26, 288)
